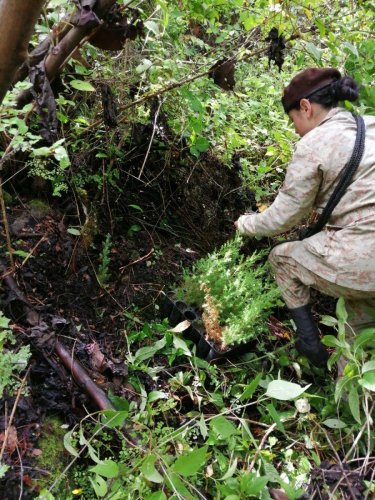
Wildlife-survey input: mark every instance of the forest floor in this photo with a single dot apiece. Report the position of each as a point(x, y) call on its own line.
point(153, 237)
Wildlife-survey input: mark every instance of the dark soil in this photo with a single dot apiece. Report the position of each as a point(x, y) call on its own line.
point(158, 225)
point(174, 214)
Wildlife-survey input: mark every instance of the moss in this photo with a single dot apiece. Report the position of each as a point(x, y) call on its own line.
point(54, 457)
point(8, 199)
point(39, 208)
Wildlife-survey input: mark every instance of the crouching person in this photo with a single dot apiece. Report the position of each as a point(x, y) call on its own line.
point(334, 160)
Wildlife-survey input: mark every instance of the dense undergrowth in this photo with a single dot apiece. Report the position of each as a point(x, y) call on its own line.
point(245, 428)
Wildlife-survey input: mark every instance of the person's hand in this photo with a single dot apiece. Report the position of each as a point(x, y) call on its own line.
point(236, 224)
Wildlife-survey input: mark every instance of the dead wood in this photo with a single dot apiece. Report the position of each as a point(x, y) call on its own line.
point(82, 378)
point(78, 373)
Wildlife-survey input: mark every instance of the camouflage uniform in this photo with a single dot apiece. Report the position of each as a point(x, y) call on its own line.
point(339, 260)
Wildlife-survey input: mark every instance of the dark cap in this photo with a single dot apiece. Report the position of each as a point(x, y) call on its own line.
point(306, 83)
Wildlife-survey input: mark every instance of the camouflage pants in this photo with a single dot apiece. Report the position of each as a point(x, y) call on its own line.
point(295, 282)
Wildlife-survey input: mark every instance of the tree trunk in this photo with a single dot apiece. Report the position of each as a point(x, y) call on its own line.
point(18, 18)
point(37, 54)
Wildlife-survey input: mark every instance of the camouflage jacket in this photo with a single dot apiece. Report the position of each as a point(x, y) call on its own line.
point(344, 251)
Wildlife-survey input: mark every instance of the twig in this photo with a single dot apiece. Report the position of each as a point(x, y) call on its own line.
point(30, 254)
point(151, 139)
point(21, 473)
point(99, 429)
point(340, 464)
point(141, 259)
point(368, 418)
point(6, 227)
point(261, 444)
point(189, 79)
point(13, 413)
point(355, 442)
point(371, 480)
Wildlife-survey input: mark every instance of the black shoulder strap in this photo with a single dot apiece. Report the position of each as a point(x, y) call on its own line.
point(346, 177)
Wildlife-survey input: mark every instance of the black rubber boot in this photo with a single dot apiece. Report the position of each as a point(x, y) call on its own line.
point(308, 342)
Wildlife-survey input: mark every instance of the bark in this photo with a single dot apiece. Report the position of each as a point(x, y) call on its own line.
point(66, 47)
point(37, 54)
point(18, 18)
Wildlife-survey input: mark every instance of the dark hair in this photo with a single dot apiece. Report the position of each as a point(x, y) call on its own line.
point(343, 89)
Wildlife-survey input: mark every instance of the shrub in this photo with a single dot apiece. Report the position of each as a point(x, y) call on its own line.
point(234, 290)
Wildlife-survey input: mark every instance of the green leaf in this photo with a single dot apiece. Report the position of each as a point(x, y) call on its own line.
point(231, 470)
point(3, 469)
point(157, 495)
point(334, 423)
point(341, 383)
point(366, 336)
point(276, 417)
point(189, 464)
point(179, 343)
point(152, 26)
point(99, 485)
point(328, 320)
point(250, 388)
point(149, 471)
point(222, 427)
point(217, 399)
point(43, 495)
point(4, 321)
point(93, 454)
point(68, 438)
point(270, 471)
point(331, 341)
point(321, 27)
point(62, 157)
point(368, 366)
point(21, 253)
point(82, 85)
point(136, 207)
point(107, 468)
point(352, 48)
point(175, 484)
point(203, 427)
point(114, 418)
point(291, 491)
point(144, 66)
point(251, 485)
point(249, 22)
point(314, 51)
point(74, 231)
point(368, 381)
point(341, 313)
point(156, 395)
point(201, 144)
point(121, 404)
point(43, 151)
point(285, 391)
point(147, 352)
point(354, 404)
